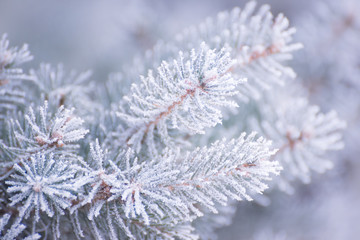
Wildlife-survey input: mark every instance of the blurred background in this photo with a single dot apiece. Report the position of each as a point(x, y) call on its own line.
point(105, 36)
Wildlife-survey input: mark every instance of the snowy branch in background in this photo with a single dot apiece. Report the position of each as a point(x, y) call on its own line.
point(330, 63)
point(303, 134)
point(260, 44)
point(61, 88)
point(10, 59)
point(334, 54)
point(11, 94)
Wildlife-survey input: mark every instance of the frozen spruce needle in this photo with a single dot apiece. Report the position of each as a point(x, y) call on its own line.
point(42, 182)
point(184, 95)
point(41, 130)
point(12, 232)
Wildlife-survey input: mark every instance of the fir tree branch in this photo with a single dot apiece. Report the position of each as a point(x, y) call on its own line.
point(41, 131)
point(184, 96)
point(172, 186)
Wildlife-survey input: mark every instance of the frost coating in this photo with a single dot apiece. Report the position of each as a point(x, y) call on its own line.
point(42, 183)
point(13, 232)
point(173, 185)
point(185, 95)
point(61, 88)
point(40, 131)
point(11, 95)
